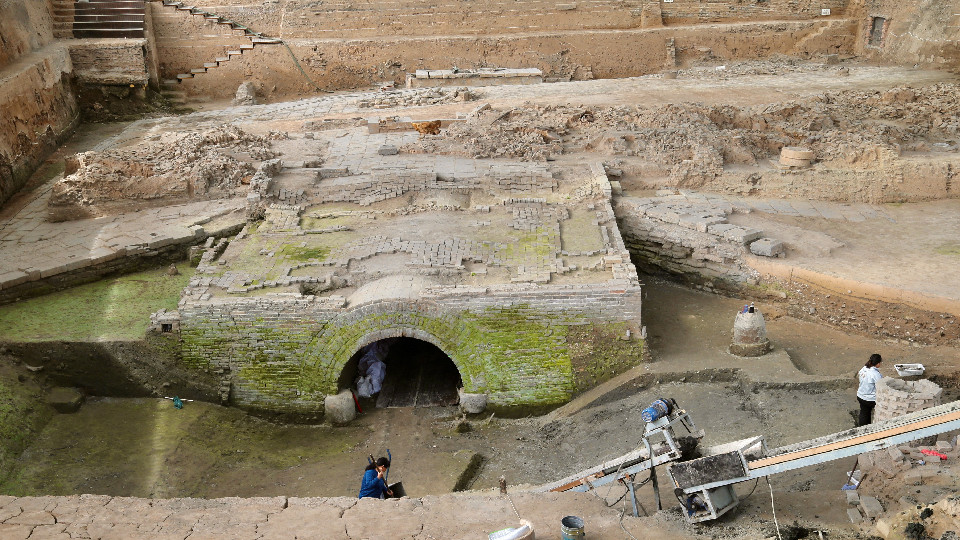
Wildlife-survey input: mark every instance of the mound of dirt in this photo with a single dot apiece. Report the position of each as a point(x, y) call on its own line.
point(166, 169)
point(692, 143)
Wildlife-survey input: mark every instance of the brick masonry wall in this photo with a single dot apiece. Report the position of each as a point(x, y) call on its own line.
point(656, 246)
point(286, 353)
point(896, 397)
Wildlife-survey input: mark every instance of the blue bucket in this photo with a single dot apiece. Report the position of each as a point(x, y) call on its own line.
point(571, 528)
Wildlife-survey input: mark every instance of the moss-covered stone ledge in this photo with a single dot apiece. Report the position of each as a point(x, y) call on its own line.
point(528, 348)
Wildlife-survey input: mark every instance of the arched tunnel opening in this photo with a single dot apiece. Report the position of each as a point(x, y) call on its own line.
point(402, 372)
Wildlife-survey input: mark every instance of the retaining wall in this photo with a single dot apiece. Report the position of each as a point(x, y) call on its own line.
point(353, 19)
point(338, 63)
point(922, 32)
point(528, 348)
point(35, 96)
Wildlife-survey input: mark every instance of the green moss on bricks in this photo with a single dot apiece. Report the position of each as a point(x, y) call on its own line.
point(523, 356)
point(22, 414)
point(303, 254)
point(599, 352)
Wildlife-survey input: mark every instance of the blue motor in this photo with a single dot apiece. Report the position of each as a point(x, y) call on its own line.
point(657, 410)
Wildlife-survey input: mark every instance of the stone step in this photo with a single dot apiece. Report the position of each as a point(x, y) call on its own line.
point(208, 65)
point(109, 33)
point(265, 41)
point(169, 83)
point(222, 59)
point(182, 76)
point(246, 47)
point(234, 53)
point(197, 71)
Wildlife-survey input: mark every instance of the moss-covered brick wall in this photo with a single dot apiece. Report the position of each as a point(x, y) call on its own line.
point(526, 349)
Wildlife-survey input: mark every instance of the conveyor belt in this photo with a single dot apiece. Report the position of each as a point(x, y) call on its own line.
point(877, 436)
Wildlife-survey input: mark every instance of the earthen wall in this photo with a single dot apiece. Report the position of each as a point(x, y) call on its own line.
point(339, 64)
point(39, 107)
point(35, 96)
point(353, 19)
point(698, 11)
point(924, 32)
point(25, 26)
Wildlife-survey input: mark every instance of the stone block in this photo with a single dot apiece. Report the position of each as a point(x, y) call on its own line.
point(791, 162)
point(854, 515)
point(742, 235)
point(797, 152)
point(340, 408)
point(944, 447)
point(65, 400)
point(871, 506)
point(853, 498)
point(700, 223)
point(472, 403)
point(721, 228)
point(884, 528)
point(388, 150)
point(767, 247)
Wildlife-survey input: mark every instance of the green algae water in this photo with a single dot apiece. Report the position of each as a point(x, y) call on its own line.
point(109, 309)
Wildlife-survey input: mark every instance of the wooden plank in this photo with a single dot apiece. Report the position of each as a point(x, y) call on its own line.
point(882, 434)
point(577, 482)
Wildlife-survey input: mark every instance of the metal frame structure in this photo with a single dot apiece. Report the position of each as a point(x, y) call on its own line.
point(659, 441)
point(719, 497)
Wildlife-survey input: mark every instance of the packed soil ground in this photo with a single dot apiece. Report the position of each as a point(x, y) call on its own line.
point(148, 448)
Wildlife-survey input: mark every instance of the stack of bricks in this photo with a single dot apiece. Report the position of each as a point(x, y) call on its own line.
point(896, 397)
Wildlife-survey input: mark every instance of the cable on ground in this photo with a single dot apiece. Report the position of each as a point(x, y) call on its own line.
point(775, 524)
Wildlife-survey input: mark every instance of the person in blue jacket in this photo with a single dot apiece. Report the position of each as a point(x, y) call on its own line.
point(373, 483)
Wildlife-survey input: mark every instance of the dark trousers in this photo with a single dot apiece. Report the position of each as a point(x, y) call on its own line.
point(866, 411)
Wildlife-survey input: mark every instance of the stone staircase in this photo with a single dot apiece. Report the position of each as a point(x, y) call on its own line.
point(63, 19)
point(170, 86)
point(98, 19)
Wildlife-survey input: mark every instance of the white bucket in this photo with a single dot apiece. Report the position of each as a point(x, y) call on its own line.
point(909, 370)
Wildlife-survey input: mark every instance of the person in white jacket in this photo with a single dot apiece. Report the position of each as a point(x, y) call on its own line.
point(867, 392)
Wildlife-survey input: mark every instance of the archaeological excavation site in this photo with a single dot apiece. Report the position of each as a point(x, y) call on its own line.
point(504, 269)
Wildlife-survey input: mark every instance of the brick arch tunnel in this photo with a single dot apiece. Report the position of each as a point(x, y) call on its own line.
point(415, 372)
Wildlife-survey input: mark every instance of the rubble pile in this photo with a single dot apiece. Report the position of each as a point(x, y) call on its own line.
point(775, 65)
point(162, 170)
point(413, 98)
point(691, 143)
